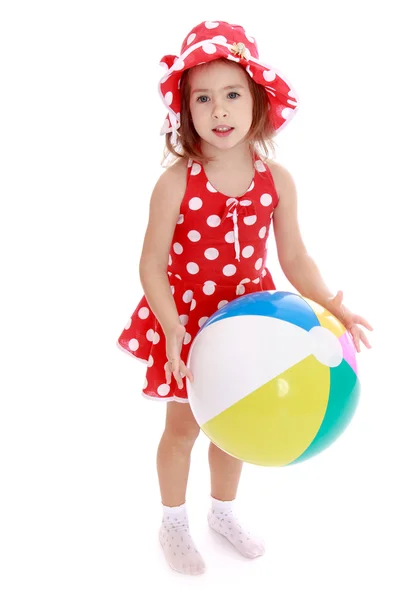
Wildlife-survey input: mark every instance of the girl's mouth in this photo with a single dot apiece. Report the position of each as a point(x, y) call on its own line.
point(223, 131)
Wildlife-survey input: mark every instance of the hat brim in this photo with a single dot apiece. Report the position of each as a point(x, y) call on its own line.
point(283, 102)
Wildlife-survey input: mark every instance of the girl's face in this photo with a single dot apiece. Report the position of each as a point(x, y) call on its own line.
point(220, 103)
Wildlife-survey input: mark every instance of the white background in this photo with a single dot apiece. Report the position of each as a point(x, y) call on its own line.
point(80, 153)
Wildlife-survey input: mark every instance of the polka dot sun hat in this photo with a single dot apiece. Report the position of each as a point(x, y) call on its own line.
point(209, 41)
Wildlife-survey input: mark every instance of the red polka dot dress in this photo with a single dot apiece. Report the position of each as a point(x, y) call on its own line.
point(218, 253)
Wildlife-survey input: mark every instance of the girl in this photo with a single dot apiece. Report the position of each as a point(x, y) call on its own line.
point(205, 244)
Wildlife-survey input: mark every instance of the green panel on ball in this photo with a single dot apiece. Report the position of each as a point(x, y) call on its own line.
point(342, 403)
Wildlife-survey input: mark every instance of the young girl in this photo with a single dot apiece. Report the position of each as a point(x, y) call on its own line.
point(205, 245)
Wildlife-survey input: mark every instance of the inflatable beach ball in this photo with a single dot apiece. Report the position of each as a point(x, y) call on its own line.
point(275, 378)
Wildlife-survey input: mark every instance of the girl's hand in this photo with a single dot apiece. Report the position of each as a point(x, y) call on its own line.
point(175, 365)
point(350, 321)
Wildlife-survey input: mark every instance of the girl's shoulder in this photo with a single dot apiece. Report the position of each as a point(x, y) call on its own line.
point(178, 169)
point(279, 174)
point(170, 187)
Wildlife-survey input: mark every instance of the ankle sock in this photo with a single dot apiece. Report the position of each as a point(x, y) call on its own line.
point(178, 546)
point(222, 519)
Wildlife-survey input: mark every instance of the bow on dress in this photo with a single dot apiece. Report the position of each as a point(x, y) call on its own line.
point(237, 208)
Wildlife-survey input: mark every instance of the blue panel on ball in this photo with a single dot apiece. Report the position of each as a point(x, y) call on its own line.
point(286, 306)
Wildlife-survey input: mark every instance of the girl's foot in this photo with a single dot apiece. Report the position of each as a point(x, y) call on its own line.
point(222, 519)
point(176, 541)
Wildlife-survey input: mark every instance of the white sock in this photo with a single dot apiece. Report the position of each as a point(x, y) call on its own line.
point(176, 541)
point(222, 519)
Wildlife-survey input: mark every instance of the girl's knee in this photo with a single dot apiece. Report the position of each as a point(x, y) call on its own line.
point(181, 425)
point(183, 433)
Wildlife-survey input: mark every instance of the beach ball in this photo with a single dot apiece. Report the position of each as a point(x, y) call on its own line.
point(275, 378)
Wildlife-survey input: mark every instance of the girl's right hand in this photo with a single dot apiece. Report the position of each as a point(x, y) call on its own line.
point(175, 366)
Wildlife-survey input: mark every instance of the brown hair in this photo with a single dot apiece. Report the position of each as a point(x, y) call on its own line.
point(260, 136)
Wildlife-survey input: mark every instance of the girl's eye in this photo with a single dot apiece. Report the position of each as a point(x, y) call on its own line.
point(205, 99)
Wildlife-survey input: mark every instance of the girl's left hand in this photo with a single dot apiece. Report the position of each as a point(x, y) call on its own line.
point(350, 321)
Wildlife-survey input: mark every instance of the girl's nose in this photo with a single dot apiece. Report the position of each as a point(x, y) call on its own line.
point(219, 112)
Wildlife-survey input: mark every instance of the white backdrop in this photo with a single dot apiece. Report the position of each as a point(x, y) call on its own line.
point(80, 154)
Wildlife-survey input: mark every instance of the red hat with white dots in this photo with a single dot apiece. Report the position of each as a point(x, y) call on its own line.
point(209, 41)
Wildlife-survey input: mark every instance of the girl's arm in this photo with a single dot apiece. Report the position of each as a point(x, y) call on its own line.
point(164, 212)
point(298, 266)
point(296, 263)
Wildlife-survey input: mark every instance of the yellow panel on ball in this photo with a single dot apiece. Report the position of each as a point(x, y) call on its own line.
point(326, 319)
point(275, 424)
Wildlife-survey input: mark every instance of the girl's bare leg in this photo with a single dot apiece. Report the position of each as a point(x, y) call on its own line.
point(225, 476)
point(173, 462)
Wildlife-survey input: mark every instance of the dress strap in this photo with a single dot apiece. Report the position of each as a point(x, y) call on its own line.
point(193, 168)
